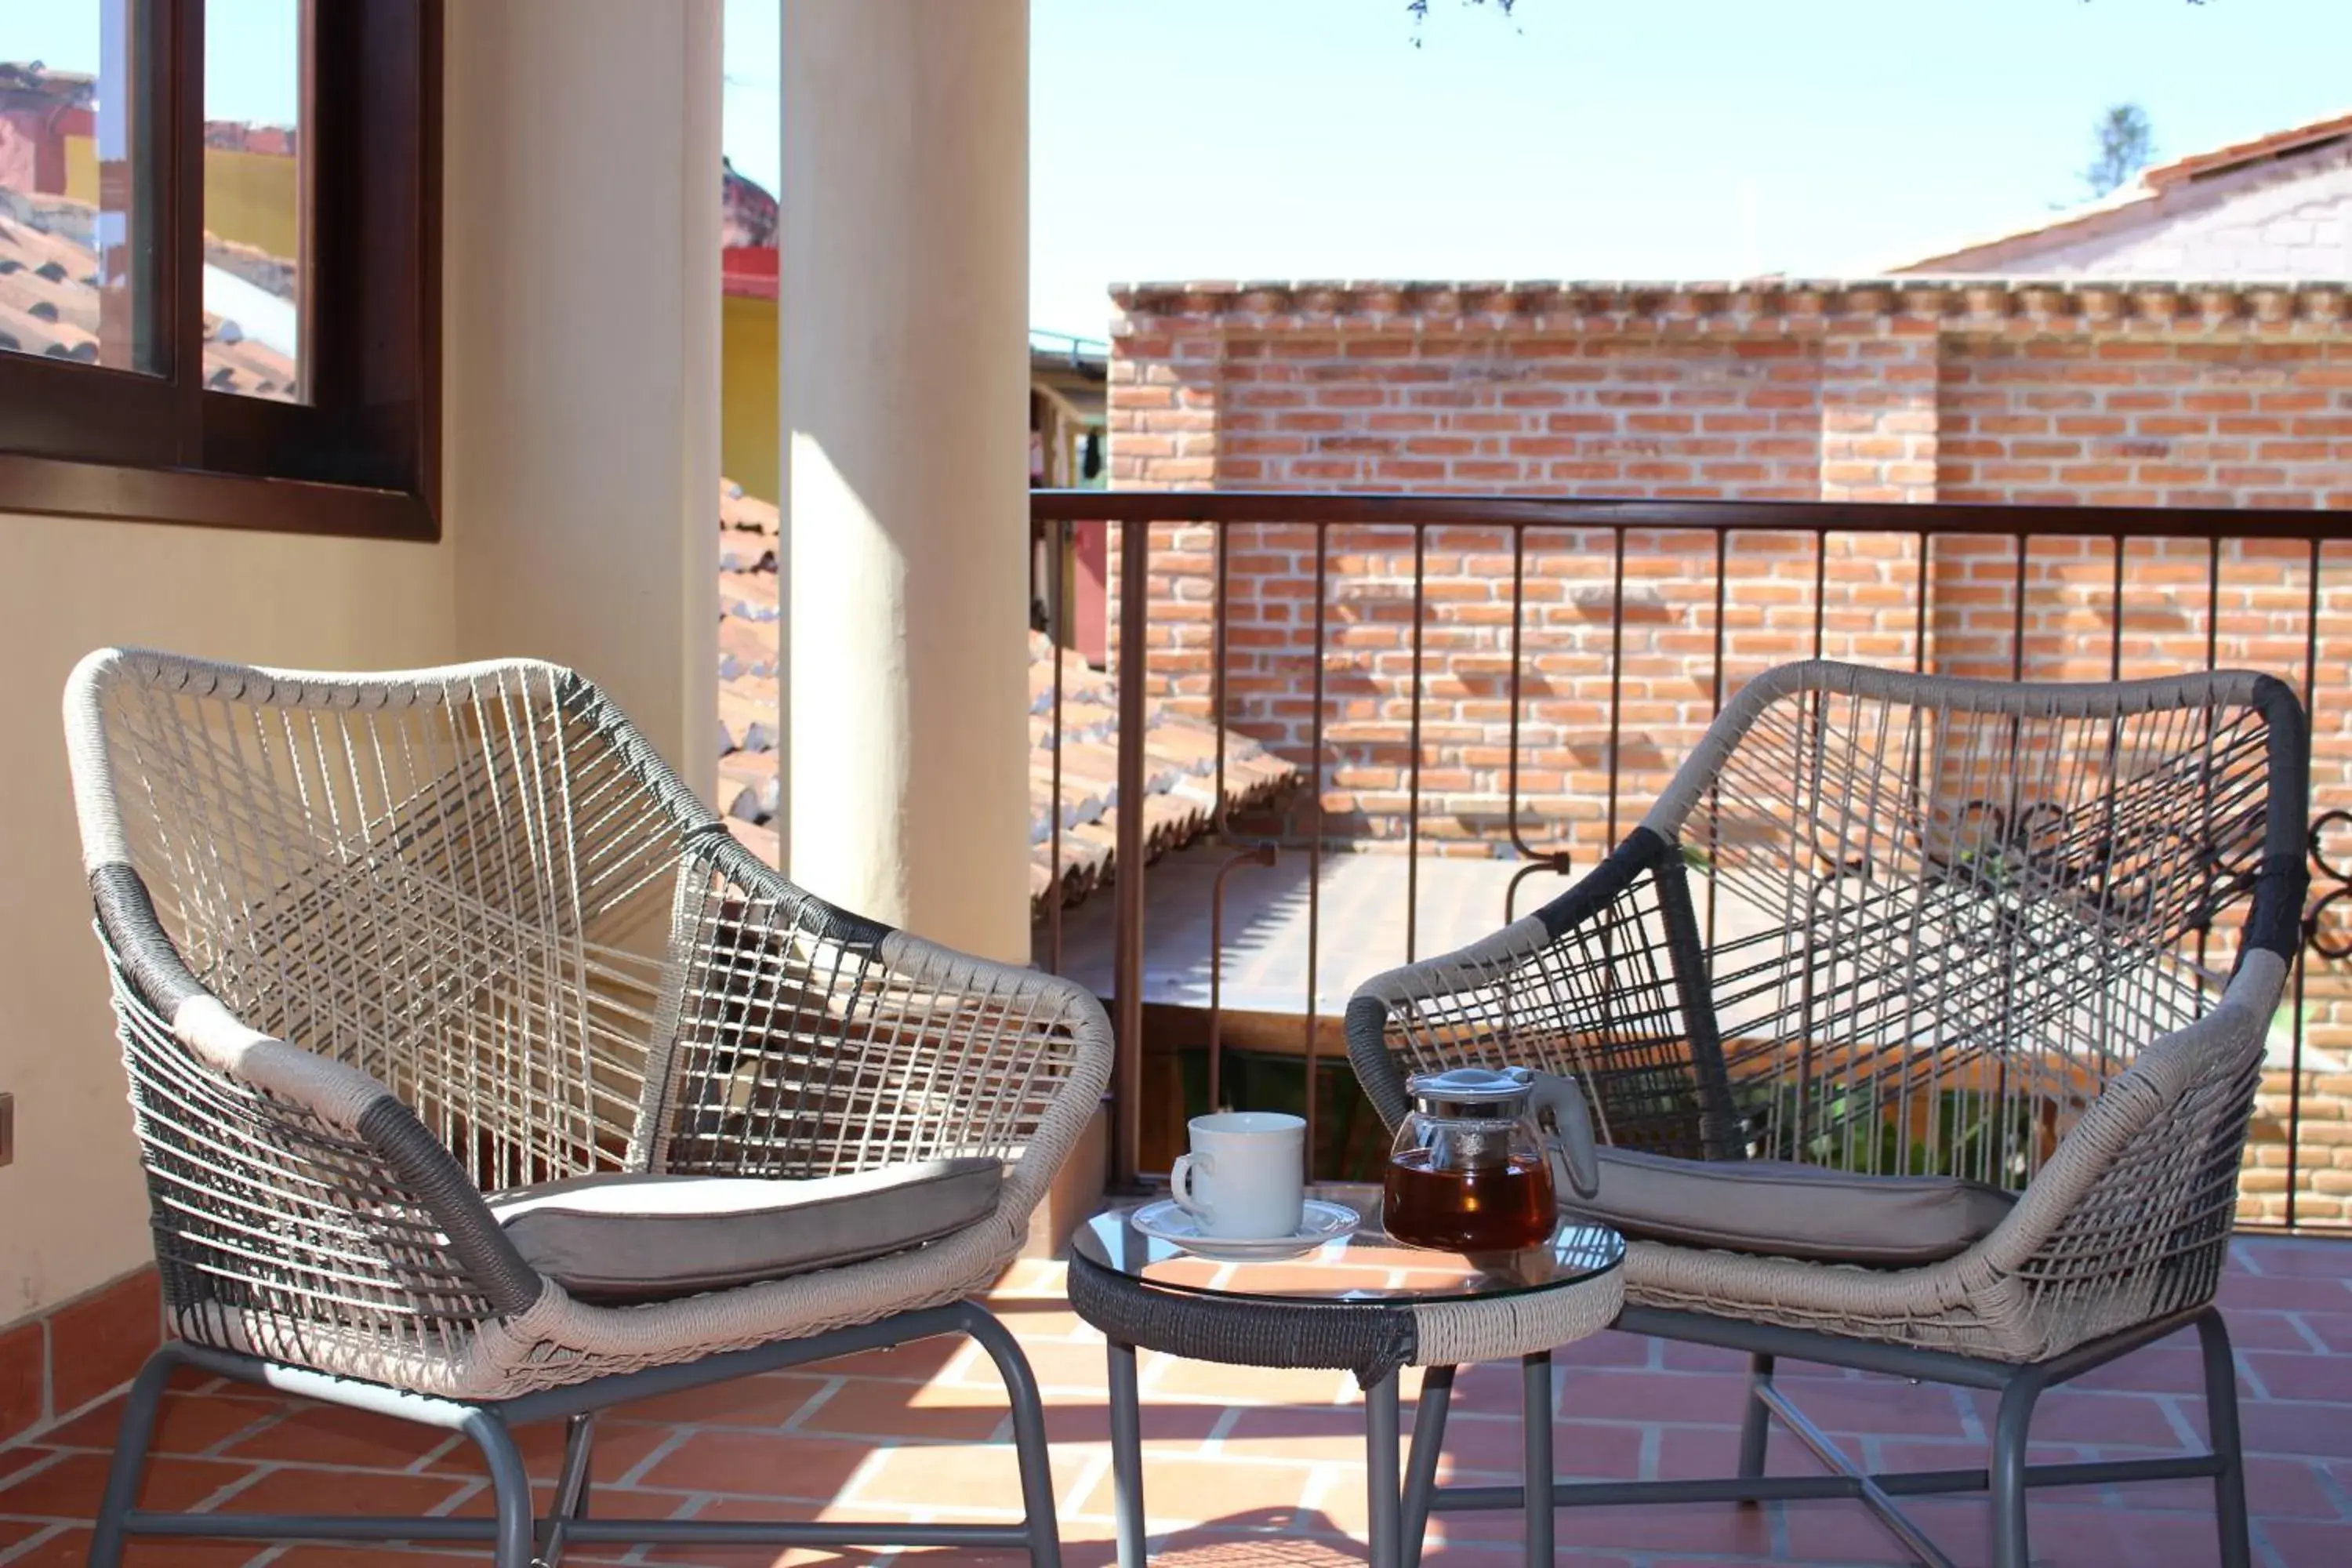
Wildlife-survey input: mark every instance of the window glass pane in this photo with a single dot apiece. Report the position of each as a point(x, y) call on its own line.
point(77, 250)
point(255, 205)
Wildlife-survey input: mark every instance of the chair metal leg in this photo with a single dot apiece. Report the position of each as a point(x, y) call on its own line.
point(130, 1466)
point(571, 1487)
point(1126, 1455)
point(1755, 1420)
point(1535, 1435)
point(2007, 1478)
point(509, 1485)
point(2222, 1428)
point(1383, 1494)
point(1428, 1442)
point(1028, 1433)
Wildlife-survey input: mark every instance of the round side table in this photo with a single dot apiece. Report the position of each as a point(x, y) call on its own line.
point(1367, 1304)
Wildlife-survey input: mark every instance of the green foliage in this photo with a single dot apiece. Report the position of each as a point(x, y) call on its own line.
point(2126, 144)
point(1963, 1138)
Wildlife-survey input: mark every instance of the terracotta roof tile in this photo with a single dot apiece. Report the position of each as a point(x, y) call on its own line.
point(1181, 751)
point(49, 300)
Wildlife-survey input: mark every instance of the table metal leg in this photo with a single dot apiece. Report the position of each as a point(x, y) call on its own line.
point(1126, 1455)
point(1382, 1493)
point(1535, 1419)
point(1428, 1442)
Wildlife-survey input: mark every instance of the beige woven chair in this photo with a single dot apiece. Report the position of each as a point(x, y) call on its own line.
point(480, 1077)
point(1949, 940)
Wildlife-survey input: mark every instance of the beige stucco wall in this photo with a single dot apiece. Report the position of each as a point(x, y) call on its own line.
point(72, 1209)
point(581, 422)
point(581, 318)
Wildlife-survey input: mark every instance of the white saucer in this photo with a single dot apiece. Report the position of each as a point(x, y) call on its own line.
point(1166, 1221)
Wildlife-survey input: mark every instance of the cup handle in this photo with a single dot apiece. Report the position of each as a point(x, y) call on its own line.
point(1179, 1183)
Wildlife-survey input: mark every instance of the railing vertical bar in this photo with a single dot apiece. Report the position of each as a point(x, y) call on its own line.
point(2115, 617)
point(1820, 590)
point(1218, 826)
point(2213, 658)
point(1919, 607)
point(1315, 840)
point(1715, 710)
point(1055, 621)
point(2016, 625)
point(2302, 949)
point(1218, 608)
point(1511, 760)
point(1616, 673)
point(1126, 955)
point(1412, 762)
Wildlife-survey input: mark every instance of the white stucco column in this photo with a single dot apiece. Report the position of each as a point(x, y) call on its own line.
point(905, 293)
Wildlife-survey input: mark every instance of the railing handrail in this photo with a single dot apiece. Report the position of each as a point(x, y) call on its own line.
point(1218, 507)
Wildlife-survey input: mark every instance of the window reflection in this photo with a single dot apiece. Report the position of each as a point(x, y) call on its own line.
point(76, 245)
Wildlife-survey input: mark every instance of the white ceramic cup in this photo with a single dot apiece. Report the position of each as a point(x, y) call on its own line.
point(1243, 1180)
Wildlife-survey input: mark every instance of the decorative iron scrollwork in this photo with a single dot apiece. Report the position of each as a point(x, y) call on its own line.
point(2330, 884)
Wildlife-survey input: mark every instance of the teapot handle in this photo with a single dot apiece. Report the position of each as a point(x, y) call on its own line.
point(1566, 1125)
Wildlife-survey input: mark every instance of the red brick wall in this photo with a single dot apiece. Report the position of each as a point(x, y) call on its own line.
point(1956, 393)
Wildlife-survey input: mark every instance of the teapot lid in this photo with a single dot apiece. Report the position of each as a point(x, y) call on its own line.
point(1474, 1093)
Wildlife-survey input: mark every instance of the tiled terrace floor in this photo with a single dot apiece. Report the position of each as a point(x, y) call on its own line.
point(1253, 1468)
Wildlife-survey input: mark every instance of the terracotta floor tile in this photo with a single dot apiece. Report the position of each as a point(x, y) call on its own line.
point(871, 1407)
point(1243, 1384)
point(757, 1464)
point(97, 1342)
point(188, 1423)
point(297, 1489)
point(1163, 1424)
point(1058, 1365)
point(769, 1400)
point(960, 1476)
point(1178, 1487)
point(2307, 1543)
point(69, 1487)
point(70, 1549)
point(317, 1434)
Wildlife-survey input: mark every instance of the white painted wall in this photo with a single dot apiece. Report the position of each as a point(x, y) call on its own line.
point(581, 433)
point(2290, 219)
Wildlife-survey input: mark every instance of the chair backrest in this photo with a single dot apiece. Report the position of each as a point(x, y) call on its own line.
point(459, 881)
point(1935, 916)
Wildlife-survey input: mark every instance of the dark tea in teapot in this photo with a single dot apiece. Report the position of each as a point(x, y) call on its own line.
point(1497, 1209)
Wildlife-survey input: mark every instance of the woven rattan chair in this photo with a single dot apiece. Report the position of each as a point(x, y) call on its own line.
point(391, 953)
point(1945, 936)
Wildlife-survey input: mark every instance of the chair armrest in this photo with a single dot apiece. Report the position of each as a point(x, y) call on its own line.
point(2148, 1176)
point(1595, 986)
point(289, 1176)
point(812, 1041)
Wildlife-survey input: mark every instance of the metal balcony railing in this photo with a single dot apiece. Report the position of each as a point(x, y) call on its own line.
point(1515, 678)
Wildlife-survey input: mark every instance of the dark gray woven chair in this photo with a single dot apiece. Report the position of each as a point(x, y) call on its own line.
point(481, 1078)
point(1923, 1017)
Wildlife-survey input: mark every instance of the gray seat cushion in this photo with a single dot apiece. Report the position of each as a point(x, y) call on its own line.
point(638, 1237)
point(1785, 1210)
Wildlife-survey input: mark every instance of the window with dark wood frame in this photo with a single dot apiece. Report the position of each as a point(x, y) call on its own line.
point(359, 453)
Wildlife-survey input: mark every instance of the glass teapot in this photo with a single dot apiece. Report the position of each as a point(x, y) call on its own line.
point(1479, 1161)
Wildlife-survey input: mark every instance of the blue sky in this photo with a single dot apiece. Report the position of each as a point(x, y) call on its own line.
point(250, 64)
point(1575, 138)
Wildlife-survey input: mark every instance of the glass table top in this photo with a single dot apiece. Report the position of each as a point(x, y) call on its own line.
point(1368, 1266)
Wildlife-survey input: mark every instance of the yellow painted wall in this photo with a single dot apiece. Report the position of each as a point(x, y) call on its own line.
point(250, 198)
point(747, 387)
